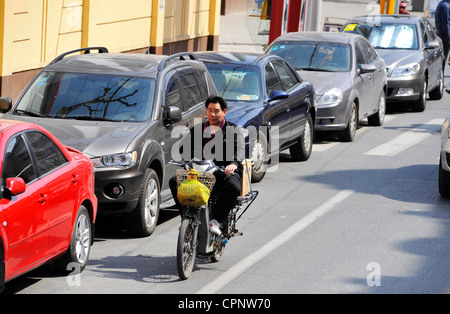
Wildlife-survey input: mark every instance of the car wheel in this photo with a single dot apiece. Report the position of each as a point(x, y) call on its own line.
point(142, 221)
point(349, 133)
point(438, 92)
point(80, 244)
point(377, 119)
point(301, 151)
point(444, 182)
point(420, 105)
point(259, 158)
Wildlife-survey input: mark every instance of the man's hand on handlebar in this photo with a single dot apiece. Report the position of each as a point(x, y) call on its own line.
point(230, 169)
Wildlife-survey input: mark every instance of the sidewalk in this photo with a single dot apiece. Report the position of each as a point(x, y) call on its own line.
point(239, 31)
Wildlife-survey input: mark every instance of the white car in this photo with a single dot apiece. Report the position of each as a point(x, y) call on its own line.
point(444, 162)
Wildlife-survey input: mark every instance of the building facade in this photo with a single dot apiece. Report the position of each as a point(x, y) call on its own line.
point(34, 32)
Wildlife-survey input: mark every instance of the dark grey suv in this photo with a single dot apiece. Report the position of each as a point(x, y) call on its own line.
point(123, 111)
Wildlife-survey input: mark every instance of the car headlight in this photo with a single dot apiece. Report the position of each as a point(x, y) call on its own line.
point(122, 160)
point(405, 70)
point(332, 97)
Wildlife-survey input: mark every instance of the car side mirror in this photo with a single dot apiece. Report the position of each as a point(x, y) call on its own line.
point(367, 68)
point(432, 45)
point(448, 88)
point(5, 104)
point(278, 94)
point(173, 114)
point(15, 185)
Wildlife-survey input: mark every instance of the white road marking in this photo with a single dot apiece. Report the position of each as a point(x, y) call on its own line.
point(252, 259)
point(406, 140)
point(325, 146)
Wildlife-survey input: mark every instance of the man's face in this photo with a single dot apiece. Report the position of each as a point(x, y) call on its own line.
point(215, 114)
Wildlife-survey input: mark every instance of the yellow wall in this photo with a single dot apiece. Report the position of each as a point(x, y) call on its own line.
point(186, 19)
point(119, 26)
point(34, 32)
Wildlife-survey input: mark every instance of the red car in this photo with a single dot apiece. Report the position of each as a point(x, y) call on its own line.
point(47, 202)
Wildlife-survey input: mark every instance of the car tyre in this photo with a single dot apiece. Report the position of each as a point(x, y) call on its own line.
point(444, 181)
point(377, 119)
point(420, 105)
point(349, 133)
point(301, 151)
point(259, 158)
point(438, 92)
point(80, 244)
point(142, 221)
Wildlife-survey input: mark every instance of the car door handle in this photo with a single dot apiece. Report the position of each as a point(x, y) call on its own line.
point(75, 178)
point(43, 198)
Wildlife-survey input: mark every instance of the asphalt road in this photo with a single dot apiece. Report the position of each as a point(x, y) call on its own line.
point(362, 217)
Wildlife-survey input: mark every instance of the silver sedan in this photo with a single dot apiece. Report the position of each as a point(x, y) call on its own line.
point(348, 75)
point(413, 54)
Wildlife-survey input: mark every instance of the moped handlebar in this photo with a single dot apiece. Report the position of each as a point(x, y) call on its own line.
point(199, 165)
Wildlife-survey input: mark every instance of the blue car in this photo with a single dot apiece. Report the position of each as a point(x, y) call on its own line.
point(270, 100)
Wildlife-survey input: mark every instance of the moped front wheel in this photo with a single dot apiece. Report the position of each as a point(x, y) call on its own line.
point(186, 248)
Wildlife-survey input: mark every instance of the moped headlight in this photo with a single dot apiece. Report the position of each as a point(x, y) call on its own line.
point(122, 160)
point(333, 96)
point(405, 70)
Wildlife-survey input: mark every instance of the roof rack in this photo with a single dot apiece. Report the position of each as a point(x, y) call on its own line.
point(180, 55)
point(86, 50)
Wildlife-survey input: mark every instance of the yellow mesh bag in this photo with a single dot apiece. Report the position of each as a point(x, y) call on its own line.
point(194, 187)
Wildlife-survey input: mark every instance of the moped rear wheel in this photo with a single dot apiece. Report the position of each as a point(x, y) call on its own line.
point(218, 252)
point(186, 248)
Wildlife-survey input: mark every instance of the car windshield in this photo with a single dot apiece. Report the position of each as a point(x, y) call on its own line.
point(387, 36)
point(88, 97)
point(315, 56)
point(236, 82)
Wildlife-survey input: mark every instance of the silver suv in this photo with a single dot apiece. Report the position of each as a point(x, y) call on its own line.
point(121, 110)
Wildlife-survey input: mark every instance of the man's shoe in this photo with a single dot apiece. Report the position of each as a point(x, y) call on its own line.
point(214, 227)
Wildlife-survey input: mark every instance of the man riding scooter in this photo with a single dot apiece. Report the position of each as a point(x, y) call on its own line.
point(223, 142)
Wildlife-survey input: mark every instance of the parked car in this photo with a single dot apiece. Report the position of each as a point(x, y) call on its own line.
point(121, 110)
point(444, 160)
point(413, 54)
point(348, 75)
point(264, 92)
point(47, 206)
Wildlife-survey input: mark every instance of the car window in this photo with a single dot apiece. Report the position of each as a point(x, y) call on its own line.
point(360, 56)
point(202, 83)
point(48, 156)
point(387, 36)
point(288, 78)
point(191, 90)
point(424, 33)
point(89, 97)
point(17, 161)
point(368, 53)
point(173, 96)
point(431, 33)
point(272, 82)
point(314, 56)
point(236, 81)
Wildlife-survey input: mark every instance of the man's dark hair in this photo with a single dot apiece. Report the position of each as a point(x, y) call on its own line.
point(216, 100)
